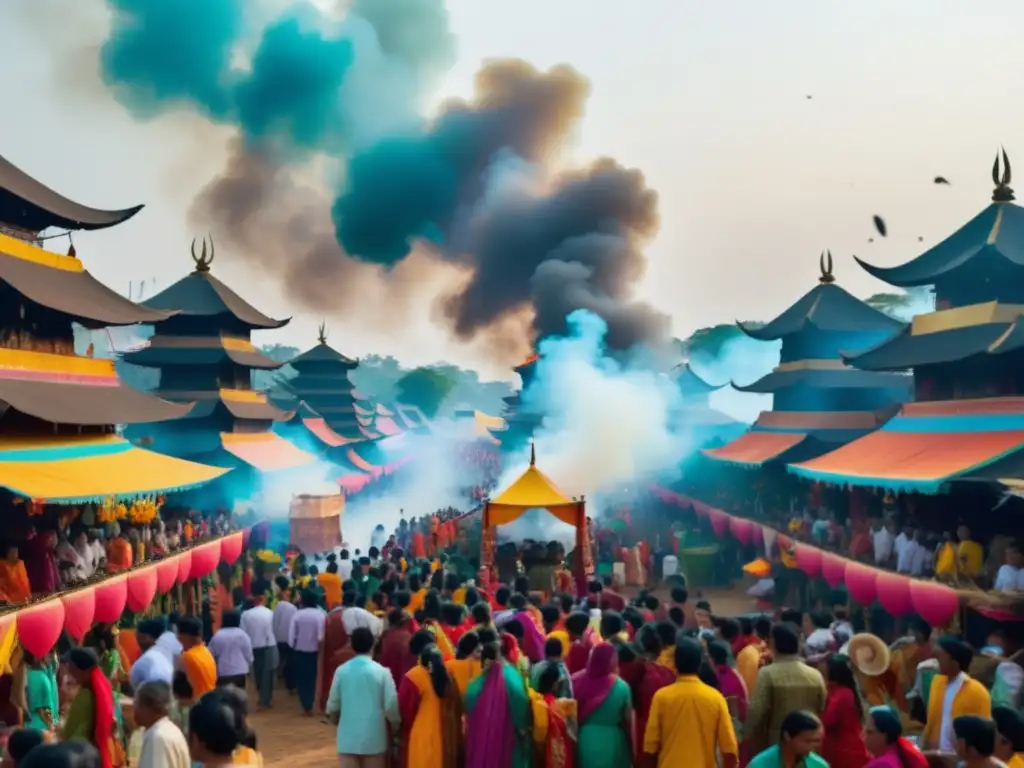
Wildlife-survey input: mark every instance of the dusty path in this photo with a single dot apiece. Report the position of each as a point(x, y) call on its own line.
point(289, 740)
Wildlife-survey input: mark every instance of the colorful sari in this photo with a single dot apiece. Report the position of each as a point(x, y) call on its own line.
point(554, 731)
point(431, 725)
point(651, 679)
point(533, 637)
point(444, 645)
point(91, 718)
point(498, 733)
point(393, 652)
point(463, 672)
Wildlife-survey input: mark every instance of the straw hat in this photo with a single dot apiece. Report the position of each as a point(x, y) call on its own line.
point(868, 654)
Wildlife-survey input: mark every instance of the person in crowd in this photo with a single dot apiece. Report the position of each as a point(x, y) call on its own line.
point(330, 583)
point(748, 660)
point(91, 716)
point(820, 641)
point(432, 623)
point(258, 624)
point(305, 638)
point(163, 743)
point(498, 708)
point(1009, 735)
point(580, 637)
point(649, 677)
point(883, 737)
point(14, 584)
point(20, 742)
point(197, 663)
point(553, 658)
point(970, 555)
point(183, 698)
point(154, 663)
point(232, 650)
point(168, 641)
point(730, 684)
point(335, 649)
point(354, 616)
point(466, 664)
point(393, 650)
point(689, 722)
point(215, 730)
point(246, 753)
point(284, 611)
point(785, 686)
point(975, 741)
point(363, 702)
point(796, 744)
point(63, 754)
point(843, 718)
point(431, 714)
point(554, 723)
point(604, 711)
point(953, 693)
point(40, 694)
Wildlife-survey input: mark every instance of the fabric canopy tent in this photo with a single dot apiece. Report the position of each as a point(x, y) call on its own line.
point(265, 451)
point(73, 470)
point(752, 449)
point(535, 490)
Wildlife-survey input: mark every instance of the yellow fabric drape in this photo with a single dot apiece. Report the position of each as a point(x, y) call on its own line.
point(8, 642)
point(501, 514)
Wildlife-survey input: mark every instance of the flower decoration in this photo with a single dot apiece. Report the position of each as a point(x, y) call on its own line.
point(269, 557)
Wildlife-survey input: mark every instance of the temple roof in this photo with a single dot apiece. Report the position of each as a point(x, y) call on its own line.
point(31, 205)
point(200, 294)
point(199, 350)
point(322, 353)
point(828, 308)
point(62, 284)
point(839, 377)
point(242, 404)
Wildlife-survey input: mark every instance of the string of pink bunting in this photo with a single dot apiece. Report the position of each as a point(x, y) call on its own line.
point(40, 624)
point(897, 594)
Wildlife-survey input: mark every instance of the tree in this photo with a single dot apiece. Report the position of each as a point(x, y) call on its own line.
point(705, 345)
point(425, 388)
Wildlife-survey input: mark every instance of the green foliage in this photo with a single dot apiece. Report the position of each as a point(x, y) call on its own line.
point(892, 304)
point(425, 388)
point(706, 345)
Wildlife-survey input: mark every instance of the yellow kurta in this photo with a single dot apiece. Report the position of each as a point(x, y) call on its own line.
point(945, 561)
point(463, 671)
point(970, 560)
point(424, 748)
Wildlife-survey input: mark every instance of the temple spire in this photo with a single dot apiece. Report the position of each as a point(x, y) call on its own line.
point(321, 333)
point(825, 264)
point(203, 260)
point(1002, 193)
point(533, 454)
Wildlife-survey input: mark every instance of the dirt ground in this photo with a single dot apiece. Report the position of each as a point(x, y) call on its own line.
point(287, 739)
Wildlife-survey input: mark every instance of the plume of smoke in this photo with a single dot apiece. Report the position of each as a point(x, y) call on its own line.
point(741, 360)
point(279, 489)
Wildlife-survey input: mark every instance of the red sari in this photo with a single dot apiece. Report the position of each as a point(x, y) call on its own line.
point(393, 652)
point(554, 739)
point(652, 678)
point(843, 745)
point(337, 650)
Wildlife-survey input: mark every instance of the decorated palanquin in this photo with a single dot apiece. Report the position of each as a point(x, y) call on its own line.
point(314, 522)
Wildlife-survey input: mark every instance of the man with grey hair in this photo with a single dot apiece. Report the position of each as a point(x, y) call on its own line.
point(163, 743)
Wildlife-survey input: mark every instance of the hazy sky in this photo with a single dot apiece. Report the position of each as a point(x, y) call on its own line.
point(707, 98)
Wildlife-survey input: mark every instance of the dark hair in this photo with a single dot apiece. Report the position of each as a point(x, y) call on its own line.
point(703, 605)
point(521, 585)
point(841, 673)
point(552, 648)
point(472, 597)
point(231, 619)
point(667, 632)
point(150, 627)
point(401, 598)
point(180, 686)
point(648, 640)
point(282, 582)
point(332, 567)
point(482, 613)
point(414, 582)
point(576, 623)
point(1010, 724)
point(680, 595)
point(451, 614)
point(83, 658)
point(821, 619)
point(730, 629)
point(791, 616)
point(63, 754)
point(348, 599)
point(502, 595)
point(688, 656)
point(310, 599)
point(786, 638)
point(549, 615)
point(487, 636)
point(419, 641)
point(490, 651)
point(958, 651)
point(565, 602)
point(763, 627)
point(216, 722)
point(746, 625)
point(362, 640)
point(433, 661)
point(887, 722)
point(515, 628)
point(611, 624)
point(190, 626)
point(548, 680)
point(797, 722)
point(719, 652)
point(468, 643)
point(21, 742)
point(978, 733)
point(518, 601)
point(922, 627)
point(633, 617)
point(676, 616)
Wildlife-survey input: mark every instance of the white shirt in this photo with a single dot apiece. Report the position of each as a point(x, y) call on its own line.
point(258, 623)
point(912, 559)
point(99, 552)
point(164, 746)
point(168, 643)
point(900, 544)
point(1007, 578)
point(352, 618)
point(947, 739)
point(345, 570)
point(153, 665)
point(883, 541)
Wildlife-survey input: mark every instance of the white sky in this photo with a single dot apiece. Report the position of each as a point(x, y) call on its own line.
point(707, 98)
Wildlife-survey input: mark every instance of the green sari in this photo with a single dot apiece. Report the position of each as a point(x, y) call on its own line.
point(79, 723)
point(602, 738)
point(519, 711)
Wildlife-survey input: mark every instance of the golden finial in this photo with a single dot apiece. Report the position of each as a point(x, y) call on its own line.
point(1002, 193)
point(825, 264)
point(321, 332)
point(202, 260)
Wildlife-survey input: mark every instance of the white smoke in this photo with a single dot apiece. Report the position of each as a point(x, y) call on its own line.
point(741, 360)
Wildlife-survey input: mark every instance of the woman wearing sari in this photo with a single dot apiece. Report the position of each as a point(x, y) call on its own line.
point(554, 723)
point(91, 716)
point(650, 679)
point(393, 650)
point(431, 711)
point(498, 706)
point(466, 664)
point(432, 623)
point(605, 711)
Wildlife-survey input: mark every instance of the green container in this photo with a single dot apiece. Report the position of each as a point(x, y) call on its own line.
point(698, 565)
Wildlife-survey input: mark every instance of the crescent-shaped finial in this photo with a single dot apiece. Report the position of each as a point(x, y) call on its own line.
point(1007, 175)
point(1002, 193)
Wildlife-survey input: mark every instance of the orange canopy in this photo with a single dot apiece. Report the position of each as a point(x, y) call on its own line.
point(265, 451)
point(755, 448)
point(533, 490)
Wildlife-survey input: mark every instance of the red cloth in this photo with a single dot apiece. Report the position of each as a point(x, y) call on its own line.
point(394, 654)
point(613, 600)
point(103, 729)
point(843, 745)
point(652, 678)
point(408, 706)
point(579, 652)
point(41, 563)
point(337, 651)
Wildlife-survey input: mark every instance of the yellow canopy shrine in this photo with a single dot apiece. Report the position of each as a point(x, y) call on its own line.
point(535, 490)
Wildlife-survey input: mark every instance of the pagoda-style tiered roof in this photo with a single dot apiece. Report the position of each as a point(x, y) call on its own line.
point(818, 401)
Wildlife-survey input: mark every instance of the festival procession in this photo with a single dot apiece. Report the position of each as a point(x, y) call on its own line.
point(217, 556)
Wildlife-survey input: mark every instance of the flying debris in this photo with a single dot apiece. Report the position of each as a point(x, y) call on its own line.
point(871, 239)
point(880, 225)
point(941, 180)
point(808, 97)
point(920, 239)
